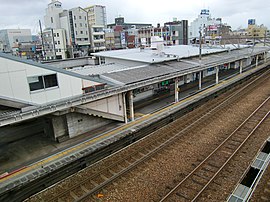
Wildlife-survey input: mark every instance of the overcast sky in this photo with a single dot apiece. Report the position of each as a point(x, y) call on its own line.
point(26, 13)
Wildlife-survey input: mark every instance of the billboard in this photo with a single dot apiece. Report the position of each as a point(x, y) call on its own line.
point(205, 12)
point(251, 21)
point(123, 38)
point(212, 27)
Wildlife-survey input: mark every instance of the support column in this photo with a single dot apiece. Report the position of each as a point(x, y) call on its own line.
point(200, 80)
point(125, 107)
point(229, 65)
point(265, 56)
point(176, 90)
point(131, 109)
point(185, 79)
point(241, 66)
point(217, 70)
point(257, 60)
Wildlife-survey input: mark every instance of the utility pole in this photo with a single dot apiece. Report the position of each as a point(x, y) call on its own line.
point(200, 60)
point(53, 44)
point(200, 47)
point(264, 38)
point(42, 42)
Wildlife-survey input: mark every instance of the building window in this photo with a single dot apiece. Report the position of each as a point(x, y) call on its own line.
point(57, 34)
point(81, 32)
point(58, 42)
point(50, 81)
point(42, 82)
point(80, 24)
point(74, 17)
point(51, 19)
point(75, 24)
point(35, 83)
point(80, 17)
point(102, 60)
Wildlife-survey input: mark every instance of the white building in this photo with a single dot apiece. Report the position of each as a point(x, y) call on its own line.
point(75, 23)
point(97, 22)
point(97, 15)
point(54, 44)
point(51, 19)
point(79, 30)
point(10, 36)
point(34, 83)
point(203, 22)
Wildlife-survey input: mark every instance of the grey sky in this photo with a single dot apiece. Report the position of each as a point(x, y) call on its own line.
point(26, 13)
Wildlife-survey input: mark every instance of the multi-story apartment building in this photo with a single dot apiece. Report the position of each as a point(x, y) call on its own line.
point(97, 15)
point(178, 32)
point(173, 33)
point(97, 23)
point(79, 30)
point(109, 39)
point(207, 25)
point(146, 33)
point(125, 35)
point(75, 24)
point(120, 21)
point(55, 44)
point(51, 19)
point(10, 36)
point(256, 31)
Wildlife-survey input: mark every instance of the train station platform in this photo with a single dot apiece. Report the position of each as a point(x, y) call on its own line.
point(84, 153)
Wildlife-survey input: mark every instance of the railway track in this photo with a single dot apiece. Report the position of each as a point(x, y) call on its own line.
point(90, 186)
point(193, 185)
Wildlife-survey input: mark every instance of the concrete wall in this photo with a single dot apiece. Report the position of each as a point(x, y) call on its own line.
point(13, 79)
point(113, 105)
point(80, 123)
point(59, 126)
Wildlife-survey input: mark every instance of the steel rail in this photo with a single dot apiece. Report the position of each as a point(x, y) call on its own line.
point(213, 152)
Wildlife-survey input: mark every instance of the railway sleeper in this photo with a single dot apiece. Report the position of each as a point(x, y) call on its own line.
point(214, 164)
point(198, 182)
point(227, 152)
point(112, 172)
point(84, 189)
point(207, 167)
point(73, 195)
point(234, 143)
point(237, 139)
point(94, 183)
point(184, 191)
point(104, 177)
point(205, 173)
point(231, 146)
point(201, 177)
point(182, 196)
point(263, 198)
